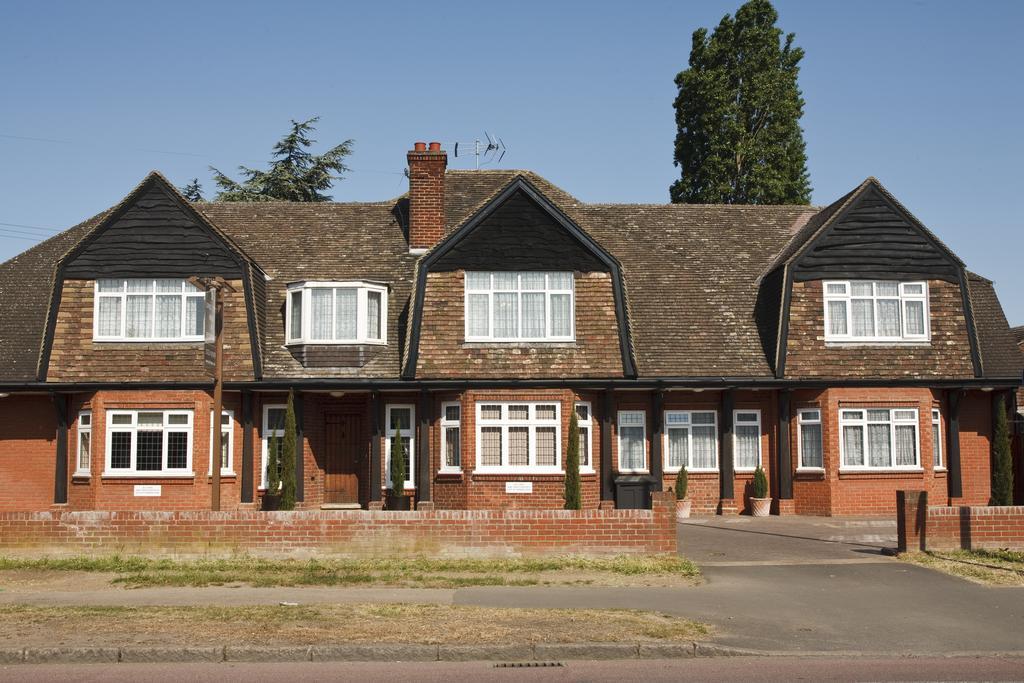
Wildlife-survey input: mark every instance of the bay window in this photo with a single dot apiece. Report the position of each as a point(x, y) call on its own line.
point(527, 306)
point(401, 420)
point(149, 443)
point(336, 313)
point(809, 439)
point(160, 309)
point(632, 441)
point(879, 438)
point(746, 435)
point(518, 437)
point(876, 311)
point(692, 438)
point(451, 437)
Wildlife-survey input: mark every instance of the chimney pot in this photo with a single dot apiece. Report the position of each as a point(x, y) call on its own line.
point(420, 147)
point(435, 146)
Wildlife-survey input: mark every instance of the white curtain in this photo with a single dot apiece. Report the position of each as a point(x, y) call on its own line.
point(837, 317)
point(168, 286)
point(888, 317)
point(936, 445)
point(906, 445)
point(748, 446)
point(533, 314)
point(296, 321)
point(506, 315)
point(532, 281)
point(478, 281)
point(878, 445)
point(678, 441)
point(863, 318)
point(139, 316)
point(914, 317)
point(110, 316)
point(168, 316)
point(320, 320)
point(861, 289)
point(479, 316)
point(853, 445)
point(195, 315)
point(810, 446)
point(560, 281)
point(887, 288)
point(705, 447)
point(373, 321)
point(345, 314)
point(631, 442)
point(561, 315)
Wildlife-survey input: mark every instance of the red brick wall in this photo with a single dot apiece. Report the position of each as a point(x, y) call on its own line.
point(28, 432)
point(351, 533)
point(959, 527)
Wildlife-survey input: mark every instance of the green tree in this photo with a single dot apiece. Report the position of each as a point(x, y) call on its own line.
point(1002, 471)
point(397, 465)
point(760, 484)
point(682, 483)
point(193, 191)
point(738, 115)
point(573, 500)
point(295, 175)
point(273, 464)
point(288, 456)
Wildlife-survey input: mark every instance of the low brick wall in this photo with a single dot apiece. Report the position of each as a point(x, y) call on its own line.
point(921, 527)
point(354, 533)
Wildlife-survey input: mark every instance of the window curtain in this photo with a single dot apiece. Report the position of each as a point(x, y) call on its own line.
point(373, 321)
point(705, 443)
point(853, 445)
point(320, 320)
point(110, 316)
point(138, 316)
point(748, 441)
point(195, 316)
point(936, 445)
point(906, 445)
point(296, 321)
point(561, 315)
point(810, 446)
point(168, 316)
point(888, 317)
point(915, 317)
point(345, 314)
point(506, 314)
point(451, 447)
point(631, 441)
point(878, 445)
point(863, 318)
point(533, 314)
point(678, 440)
point(479, 316)
point(837, 317)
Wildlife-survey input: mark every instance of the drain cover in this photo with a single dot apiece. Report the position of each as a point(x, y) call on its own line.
point(526, 665)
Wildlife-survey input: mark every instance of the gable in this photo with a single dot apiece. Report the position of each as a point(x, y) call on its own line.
point(873, 237)
point(153, 235)
point(519, 235)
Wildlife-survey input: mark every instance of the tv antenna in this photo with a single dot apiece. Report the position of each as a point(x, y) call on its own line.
point(490, 150)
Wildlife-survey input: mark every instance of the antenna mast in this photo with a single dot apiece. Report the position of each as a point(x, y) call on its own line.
point(492, 151)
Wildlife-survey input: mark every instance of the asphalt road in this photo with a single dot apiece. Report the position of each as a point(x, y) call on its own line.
point(742, 669)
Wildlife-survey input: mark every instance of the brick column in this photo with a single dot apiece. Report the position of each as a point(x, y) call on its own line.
point(911, 517)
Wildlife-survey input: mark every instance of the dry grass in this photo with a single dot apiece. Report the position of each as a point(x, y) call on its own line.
point(332, 624)
point(988, 567)
point(415, 572)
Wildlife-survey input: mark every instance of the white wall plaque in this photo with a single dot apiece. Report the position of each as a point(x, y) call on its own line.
point(518, 487)
point(150, 490)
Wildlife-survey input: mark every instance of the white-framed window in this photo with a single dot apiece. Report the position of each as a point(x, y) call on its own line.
point(83, 459)
point(937, 461)
point(876, 311)
point(401, 420)
point(746, 439)
point(336, 313)
point(518, 437)
point(451, 437)
point(809, 439)
point(632, 428)
point(144, 443)
point(227, 445)
point(150, 309)
point(273, 426)
point(527, 306)
point(691, 438)
point(879, 439)
point(585, 421)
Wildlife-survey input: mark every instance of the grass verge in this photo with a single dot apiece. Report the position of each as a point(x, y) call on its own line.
point(988, 567)
point(333, 624)
point(412, 572)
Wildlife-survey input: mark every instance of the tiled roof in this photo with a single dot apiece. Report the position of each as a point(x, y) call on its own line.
point(1000, 356)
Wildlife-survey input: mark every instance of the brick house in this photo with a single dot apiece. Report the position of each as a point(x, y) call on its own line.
point(845, 349)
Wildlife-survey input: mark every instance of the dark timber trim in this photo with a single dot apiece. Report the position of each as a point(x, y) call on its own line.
point(423, 448)
point(375, 462)
point(953, 470)
point(519, 184)
point(60, 470)
point(247, 448)
point(726, 490)
point(972, 332)
point(300, 446)
point(784, 466)
point(607, 410)
point(657, 431)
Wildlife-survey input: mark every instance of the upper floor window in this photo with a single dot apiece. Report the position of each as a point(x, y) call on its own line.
point(161, 309)
point(876, 311)
point(526, 306)
point(336, 313)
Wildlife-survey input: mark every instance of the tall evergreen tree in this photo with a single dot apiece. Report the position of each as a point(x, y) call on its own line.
point(295, 175)
point(289, 453)
point(738, 115)
point(1002, 470)
point(572, 466)
point(193, 191)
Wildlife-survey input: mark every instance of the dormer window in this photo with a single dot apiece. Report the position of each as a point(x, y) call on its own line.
point(160, 309)
point(527, 306)
point(336, 313)
point(876, 311)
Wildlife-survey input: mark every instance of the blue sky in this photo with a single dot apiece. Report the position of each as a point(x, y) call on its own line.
point(926, 96)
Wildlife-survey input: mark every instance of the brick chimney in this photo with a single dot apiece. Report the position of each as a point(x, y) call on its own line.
point(426, 195)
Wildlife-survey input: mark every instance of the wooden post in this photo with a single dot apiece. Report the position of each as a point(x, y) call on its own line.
point(784, 463)
point(299, 405)
point(218, 397)
point(60, 471)
point(375, 454)
point(247, 447)
point(423, 450)
point(657, 430)
point(725, 469)
point(607, 485)
point(953, 478)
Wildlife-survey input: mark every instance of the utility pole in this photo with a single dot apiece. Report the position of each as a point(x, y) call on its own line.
point(217, 286)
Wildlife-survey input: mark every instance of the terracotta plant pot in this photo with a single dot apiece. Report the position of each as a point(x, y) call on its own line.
point(682, 509)
point(760, 507)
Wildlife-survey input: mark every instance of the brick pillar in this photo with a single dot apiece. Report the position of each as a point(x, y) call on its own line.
point(911, 517)
point(426, 195)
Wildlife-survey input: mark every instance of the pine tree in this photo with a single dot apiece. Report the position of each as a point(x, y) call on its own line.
point(295, 175)
point(682, 483)
point(288, 456)
point(193, 191)
point(572, 466)
point(397, 465)
point(273, 465)
point(738, 115)
point(1002, 470)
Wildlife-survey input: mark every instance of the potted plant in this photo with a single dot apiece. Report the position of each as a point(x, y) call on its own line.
point(760, 502)
point(682, 502)
point(397, 500)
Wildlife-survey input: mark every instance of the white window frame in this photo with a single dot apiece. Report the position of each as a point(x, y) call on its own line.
point(445, 425)
point(265, 434)
point(587, 425)
point(760, 437)
point(134, 428)
point(230, 429)
point(548, 292)
point(684, 420)
point(363, 290)
point(84, 427)
point(186, 291)
point(937, 446)
point(893, 423)
point(410, 476)
point(643, 440)
point(902, 296)
point(801, 420)
point(532, 423)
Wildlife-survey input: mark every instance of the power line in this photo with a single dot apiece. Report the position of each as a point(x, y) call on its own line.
point(31, 227)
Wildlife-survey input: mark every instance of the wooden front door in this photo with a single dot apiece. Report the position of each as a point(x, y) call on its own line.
point(345, 448)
